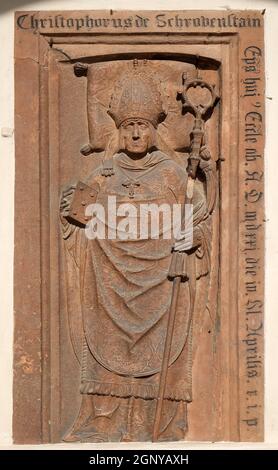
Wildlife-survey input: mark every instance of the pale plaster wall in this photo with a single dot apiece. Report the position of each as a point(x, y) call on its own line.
point(7, 8)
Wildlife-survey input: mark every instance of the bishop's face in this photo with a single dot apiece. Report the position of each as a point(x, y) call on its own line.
point(136, 137)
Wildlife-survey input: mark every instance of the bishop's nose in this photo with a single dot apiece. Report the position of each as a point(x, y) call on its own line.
point(135, 132)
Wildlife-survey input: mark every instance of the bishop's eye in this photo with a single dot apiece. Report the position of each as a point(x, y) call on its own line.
point(130, 125)
point(142, 125)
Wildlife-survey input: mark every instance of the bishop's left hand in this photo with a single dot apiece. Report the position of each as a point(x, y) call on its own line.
point(205, 153)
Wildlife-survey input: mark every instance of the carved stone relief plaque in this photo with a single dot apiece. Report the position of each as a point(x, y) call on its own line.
point(139, 249)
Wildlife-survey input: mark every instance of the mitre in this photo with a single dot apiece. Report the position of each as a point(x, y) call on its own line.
point(136, 96)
